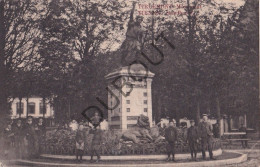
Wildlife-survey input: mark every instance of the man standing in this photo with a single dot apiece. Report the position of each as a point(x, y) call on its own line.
point(18, 137)
point(243, 129)
point(206, 134)
point(96, 143)
point(40, 131)
point(171, 138)
point(31, 137)
point(193, 139)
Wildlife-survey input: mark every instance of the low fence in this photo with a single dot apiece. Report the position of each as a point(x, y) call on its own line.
point(127, 149)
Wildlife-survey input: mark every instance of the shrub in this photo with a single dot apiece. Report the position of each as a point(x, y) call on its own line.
point(63, 142)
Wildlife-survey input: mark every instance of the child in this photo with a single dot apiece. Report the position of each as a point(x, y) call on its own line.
point(193, 139)
point(31, 137)
point(8, 135)
point(96, 120)
point(96, 143)
point(80, 138)
point(79, 149)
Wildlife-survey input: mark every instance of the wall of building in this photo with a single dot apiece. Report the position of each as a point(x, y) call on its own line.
point(114, 110)
point(35, 100)
point(137, 101)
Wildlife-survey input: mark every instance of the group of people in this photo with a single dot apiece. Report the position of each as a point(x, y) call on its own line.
point(96, 140)
point(202, 133)
point(30, 135)
point(25, 138)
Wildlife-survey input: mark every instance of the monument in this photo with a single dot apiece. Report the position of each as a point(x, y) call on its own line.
point(130, 96)
point(130, 86)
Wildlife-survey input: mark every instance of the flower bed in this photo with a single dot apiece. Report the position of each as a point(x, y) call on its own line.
point(62, 142)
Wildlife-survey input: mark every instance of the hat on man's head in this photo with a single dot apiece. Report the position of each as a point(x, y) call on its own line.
point(204, 115)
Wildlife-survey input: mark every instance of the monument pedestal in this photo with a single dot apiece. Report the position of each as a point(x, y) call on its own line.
point(129, 96)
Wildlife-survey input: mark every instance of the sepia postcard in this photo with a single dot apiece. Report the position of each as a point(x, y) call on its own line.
point(126, 83)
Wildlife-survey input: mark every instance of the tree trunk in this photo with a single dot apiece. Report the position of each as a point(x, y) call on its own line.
point(20, 107)
point(198, 113)
point(177, 117)
point(218, 115)
point(27, 103)
point(159, 108)
point(44, 107)
point(3, 75)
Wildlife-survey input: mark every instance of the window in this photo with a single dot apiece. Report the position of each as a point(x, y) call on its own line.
point(41, 108)
point(132, 117)
point(115, 118)
point(115, 126)
point(145, 84)
point(139, 79)
point(145, 101)
point(128, 110)
point(31, 108)
point(127, 101)
point(145, 94)
point(130, 125)
point(145, 109)
point(18, 108)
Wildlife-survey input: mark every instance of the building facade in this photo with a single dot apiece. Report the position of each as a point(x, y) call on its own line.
point(34, 107)
point(129, 96)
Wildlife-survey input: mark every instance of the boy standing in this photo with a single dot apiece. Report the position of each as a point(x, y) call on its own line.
point(193, 139)
point(171, 138)
point(80, 143)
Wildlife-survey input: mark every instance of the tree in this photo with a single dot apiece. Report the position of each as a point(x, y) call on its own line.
point(71, 49)
point(18, 27)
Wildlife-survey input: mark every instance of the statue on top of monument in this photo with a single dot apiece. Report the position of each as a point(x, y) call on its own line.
point(134, 39)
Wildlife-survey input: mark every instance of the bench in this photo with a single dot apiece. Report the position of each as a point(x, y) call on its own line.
point(228, 137)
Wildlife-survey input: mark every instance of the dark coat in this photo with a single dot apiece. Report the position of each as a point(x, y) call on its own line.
point(205, 129)
point(41, 129)
point(8, 135)
point(243, 129)
point(29, 132)
point(80, 135)
point(97, 138)
point(193, 134)
point(18, 132)
point(171, 134)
